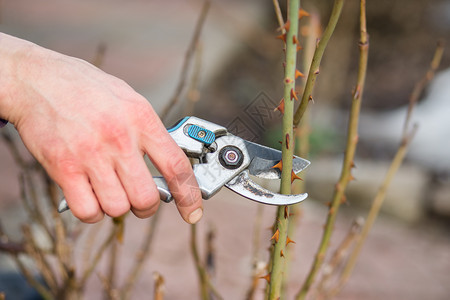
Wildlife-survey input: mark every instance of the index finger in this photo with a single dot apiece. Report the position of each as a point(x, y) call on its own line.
point(174, 165)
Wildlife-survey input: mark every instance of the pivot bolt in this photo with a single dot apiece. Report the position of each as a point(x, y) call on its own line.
point(201, 134)
point(231, 157)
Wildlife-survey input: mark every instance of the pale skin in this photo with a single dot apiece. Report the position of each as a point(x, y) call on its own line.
point(90, 130)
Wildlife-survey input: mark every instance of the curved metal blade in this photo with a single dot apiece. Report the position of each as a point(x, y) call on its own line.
point(244, 186)
point(264, 158)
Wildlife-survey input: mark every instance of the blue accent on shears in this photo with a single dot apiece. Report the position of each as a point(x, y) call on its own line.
point(201, 134)
point(178, 124)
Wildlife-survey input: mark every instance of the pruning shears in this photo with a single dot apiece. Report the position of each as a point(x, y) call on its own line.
point(226, 160)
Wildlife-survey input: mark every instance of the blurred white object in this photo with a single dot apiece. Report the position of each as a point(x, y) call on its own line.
point(431, 145)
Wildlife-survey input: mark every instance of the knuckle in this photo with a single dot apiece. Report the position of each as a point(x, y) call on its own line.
point(178, 166)
point(89, 214)
point(145, 200)
point(144, 112)
point(142, 214)
point(116, 135)
point(116, 208)
point(93, 219)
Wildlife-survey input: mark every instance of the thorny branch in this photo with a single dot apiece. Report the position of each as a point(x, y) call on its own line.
point(317, 58)
point(281, 225)
point(348, 164)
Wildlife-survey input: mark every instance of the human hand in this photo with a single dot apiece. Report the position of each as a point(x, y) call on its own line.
point(90, 130)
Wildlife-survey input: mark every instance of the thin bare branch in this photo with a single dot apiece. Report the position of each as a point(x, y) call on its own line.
point(341, 253)
point(33, 250)
point(106, 243)
point(256, 259)
point(193, 93)
point(159, 286)
point(276, 6)
point(99, 55)
point(420, 85)
point(141, 256)
point(408, 135)
point(206, 286)
point(187, 60)
point(40, 288)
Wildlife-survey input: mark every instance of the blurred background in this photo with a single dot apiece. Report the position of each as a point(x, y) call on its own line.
point(236, 80)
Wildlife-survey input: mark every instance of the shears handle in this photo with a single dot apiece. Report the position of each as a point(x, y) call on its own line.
point(161, 184)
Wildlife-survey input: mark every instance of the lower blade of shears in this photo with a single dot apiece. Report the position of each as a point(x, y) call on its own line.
point(244, 186)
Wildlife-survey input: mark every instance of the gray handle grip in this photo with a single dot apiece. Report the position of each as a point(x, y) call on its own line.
point(163, 189)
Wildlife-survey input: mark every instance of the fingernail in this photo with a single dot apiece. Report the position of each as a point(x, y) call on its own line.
point(196, 215)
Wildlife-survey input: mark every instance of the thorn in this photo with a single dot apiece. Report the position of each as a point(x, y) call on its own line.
point(294, 177)
point(294, 40)
point(286, 212)
point(280, 107)
point(351, 177)
point(276, 236)
point(286, 26)
point(316, 72)
point(298, 74)
point(311, 99)
point(299, 48)
point(284, 65)
point(352, 165)
point(331, 211)
point(288, 140)
point(288, 240)
point(344, 199)
point(282, 37)
point(288, 80)
point(281, 253)
point(302, 13)
point(293, 94)
point(356, 92)
point(278, 166)
point(267, 277)
point(328, 203)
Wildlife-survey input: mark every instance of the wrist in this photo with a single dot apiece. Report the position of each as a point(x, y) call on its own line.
point(14, 54)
